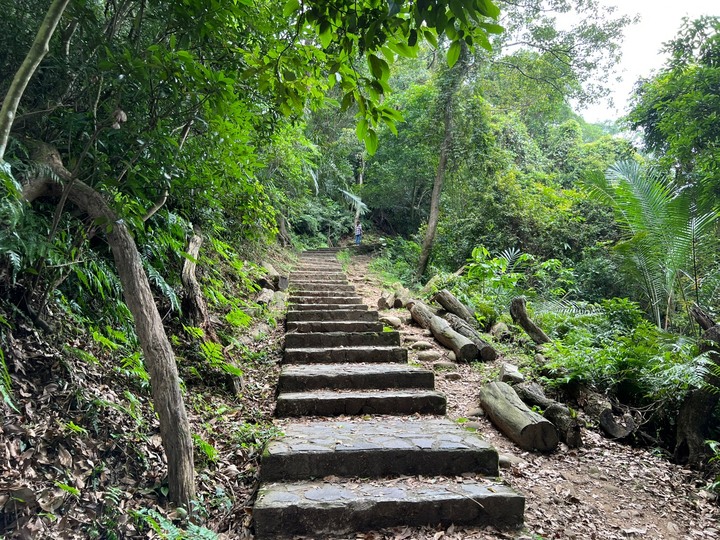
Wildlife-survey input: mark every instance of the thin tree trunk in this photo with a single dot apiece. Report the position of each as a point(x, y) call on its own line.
point(360, 176)
point(39, 49)
point(164, 379)
point(194, 304)
point(454, 78)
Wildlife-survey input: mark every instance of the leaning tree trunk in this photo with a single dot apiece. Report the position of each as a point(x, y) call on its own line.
point(194, 304)
point(164, 379)
point(449, 84)
point(39, 49)
point(519, 314)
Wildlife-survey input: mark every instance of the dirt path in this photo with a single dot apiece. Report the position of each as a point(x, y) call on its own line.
point(604, 490)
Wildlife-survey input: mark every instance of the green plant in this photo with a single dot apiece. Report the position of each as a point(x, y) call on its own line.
point(208, 450)
point(255, 436)
point(149, 519)
point(714, 486)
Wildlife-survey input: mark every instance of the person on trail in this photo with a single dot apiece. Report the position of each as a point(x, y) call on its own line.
point(358, 233)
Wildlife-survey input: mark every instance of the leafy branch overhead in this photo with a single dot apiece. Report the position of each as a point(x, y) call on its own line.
point(378, 32)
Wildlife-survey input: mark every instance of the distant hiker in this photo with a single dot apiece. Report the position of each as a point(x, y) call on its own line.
point(358, 233)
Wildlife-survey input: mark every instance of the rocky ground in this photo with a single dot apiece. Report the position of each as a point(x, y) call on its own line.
point(604, 490)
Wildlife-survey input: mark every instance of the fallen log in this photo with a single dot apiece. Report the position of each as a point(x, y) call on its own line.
point(519, 314)
point(526, 428)
point(601, 410)
point(447, 300)
point(386, 300)
point(560, 415)
point(402, 297)
point(487, 351)
point(464, 349)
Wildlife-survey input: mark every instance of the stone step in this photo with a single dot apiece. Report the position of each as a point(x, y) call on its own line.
point(343, 355)
point(331, 509)
point(353, 376)
point(334, 315)
point(318, 276)
point(342, 339)
point(321, 286)
point(324, 299)
point(317, 268)
point(334, 326)
point(372, 449)
point(354, 402)
point(329, 307)
point(340, 290)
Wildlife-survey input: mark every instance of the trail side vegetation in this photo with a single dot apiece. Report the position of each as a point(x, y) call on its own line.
point(156, 157)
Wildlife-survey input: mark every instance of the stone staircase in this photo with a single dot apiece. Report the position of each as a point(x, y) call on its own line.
point(396, 460)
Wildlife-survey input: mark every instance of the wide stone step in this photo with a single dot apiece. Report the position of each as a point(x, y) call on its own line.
point(324, 299)
point(329, 277)
point(317, 268)
point(353, 376)
point(330, 509)
point(342, 339)
point(333, 315)
point(330, 307)
point(353, 402)
point(371, 449)
point(320, 287)
point(341, 355)
point(341, 290)
point(334, 326)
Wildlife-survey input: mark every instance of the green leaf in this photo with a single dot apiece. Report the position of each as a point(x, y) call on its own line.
point(371, 141)
point(291, 6)
point(453, 53)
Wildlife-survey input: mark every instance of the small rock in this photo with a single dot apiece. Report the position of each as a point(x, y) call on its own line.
point(500, 331)
point(411, 338)
point(427, 333)
point(395, 322)
point(428, 356)
point(453, 376)
point(451, 356)
point(421, 346)
point(477, 413)
point(444, 364)
point(508, 460)
point(510, 373)
point(473, 425)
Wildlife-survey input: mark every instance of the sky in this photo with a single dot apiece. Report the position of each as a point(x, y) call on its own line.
point(659, 21)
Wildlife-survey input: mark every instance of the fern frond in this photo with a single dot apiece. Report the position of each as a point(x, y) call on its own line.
point(163, 286)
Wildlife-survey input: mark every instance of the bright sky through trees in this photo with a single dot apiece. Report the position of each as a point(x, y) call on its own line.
point(660, 20)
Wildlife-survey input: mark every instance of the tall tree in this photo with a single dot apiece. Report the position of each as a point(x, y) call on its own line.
point(449, 81)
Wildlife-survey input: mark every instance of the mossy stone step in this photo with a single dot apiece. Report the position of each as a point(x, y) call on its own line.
point(330, 315)
point(329, 509)
point(353, 376)
point(372, 449)
point(328, 355)
point(356, 402)
point(334, 326)
point(341, 339)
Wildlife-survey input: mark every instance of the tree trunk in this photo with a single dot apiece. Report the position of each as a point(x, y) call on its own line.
point(696, 412)
point(402, 297)
point(519, 314)
point(487, 351)
point(526, 428)
point(194, 305)
point(447, 300)
point(464, 349)
point(386, 300)
point(449, 84)
point(39, 49)
point(164, 380)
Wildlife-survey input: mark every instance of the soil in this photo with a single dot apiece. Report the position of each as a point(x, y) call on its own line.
point(603, 490)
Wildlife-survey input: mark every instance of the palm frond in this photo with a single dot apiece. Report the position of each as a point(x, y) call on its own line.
point(355, 201)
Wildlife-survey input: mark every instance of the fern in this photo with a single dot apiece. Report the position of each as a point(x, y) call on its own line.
point(238, 318)
point(163, 286)
point(207, 449)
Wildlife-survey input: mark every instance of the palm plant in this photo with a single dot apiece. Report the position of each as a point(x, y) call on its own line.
point(665, 234)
